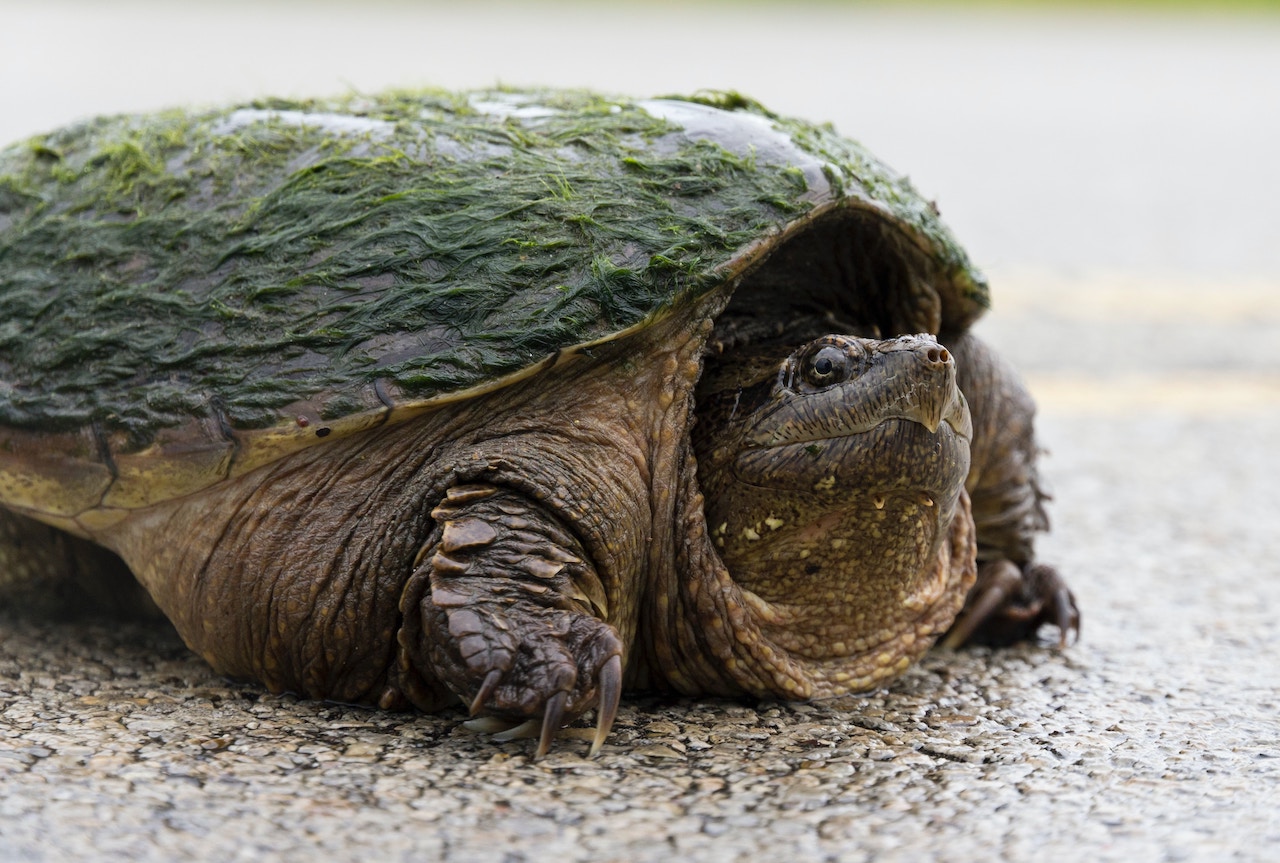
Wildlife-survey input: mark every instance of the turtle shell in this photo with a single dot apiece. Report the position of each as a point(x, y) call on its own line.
point(186, 296)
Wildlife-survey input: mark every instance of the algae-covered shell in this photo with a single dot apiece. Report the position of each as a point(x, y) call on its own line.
point(187, 296)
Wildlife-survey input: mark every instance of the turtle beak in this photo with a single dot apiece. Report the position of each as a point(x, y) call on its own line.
point(932, 396)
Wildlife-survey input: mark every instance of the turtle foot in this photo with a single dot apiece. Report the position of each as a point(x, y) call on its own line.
point(539, 667)
point(609, 687)
point(1009, 604)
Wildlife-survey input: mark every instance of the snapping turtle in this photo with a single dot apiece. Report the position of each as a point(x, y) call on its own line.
point(518, 398)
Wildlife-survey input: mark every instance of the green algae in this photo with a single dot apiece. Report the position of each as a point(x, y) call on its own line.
point(154, 267)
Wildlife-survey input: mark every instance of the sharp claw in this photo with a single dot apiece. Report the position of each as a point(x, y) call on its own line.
point(489, 725)
point(1067, 617)
point(491, 681)
point(551, 721)
point(610, 684)
point(523, 731)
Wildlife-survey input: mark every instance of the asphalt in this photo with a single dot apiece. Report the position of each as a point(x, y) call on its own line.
point(1152, 350)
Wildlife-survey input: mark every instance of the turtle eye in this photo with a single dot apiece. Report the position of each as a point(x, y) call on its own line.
point(829, 365)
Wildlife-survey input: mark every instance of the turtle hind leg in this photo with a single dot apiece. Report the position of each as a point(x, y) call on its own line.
point(505, 609)
point(48, 573)
point(1015, 595)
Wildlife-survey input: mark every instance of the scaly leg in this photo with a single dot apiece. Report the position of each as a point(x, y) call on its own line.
point(506, 608)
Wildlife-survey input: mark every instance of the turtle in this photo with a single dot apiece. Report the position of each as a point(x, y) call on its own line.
point(512, 399)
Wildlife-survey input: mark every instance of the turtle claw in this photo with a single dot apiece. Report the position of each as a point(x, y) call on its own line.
point(551, 722)
point(609, 687)
point(519, 731)
point(1066, 615)
point(489, 725)
point(546, 666)
point(1009, 604)
point(491, 681)
point(610, 695)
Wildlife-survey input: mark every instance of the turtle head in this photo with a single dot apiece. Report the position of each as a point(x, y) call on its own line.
point(832, 476)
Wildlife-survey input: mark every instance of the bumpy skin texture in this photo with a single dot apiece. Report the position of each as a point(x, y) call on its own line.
point(833, 480)
point(586, 516)
point(505, 605)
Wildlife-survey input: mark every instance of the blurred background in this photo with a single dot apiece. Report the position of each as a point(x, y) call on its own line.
point(1074, 138)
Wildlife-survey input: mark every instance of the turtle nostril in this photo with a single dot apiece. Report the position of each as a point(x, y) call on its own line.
point(939, 356)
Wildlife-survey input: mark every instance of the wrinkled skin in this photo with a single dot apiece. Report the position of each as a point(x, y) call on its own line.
point(833, 478)
point(541, 548)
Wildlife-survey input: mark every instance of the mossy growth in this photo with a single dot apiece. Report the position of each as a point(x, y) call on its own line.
point(152, 267)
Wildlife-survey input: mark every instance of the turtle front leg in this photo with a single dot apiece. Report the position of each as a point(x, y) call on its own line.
point(506, 609)
point(1014, 595)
